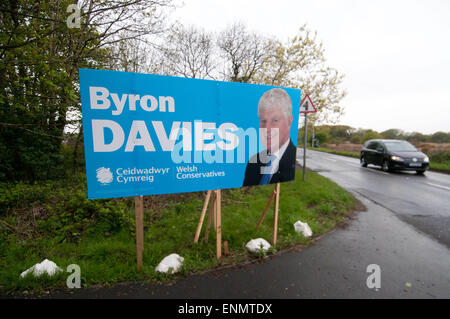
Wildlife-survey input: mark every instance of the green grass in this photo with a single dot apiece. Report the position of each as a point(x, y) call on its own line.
point(440, 167)
point(443, 167)
point(343, 153)
point(170, 228)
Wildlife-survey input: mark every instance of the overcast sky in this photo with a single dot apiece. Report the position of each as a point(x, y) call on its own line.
point(395, 54)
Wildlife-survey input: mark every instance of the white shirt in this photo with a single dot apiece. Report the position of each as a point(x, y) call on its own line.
point(275, 160)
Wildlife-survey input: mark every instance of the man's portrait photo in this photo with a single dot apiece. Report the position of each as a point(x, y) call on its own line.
point(277, 162)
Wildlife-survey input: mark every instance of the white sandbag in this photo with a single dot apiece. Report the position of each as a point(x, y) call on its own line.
point(170, 264)
point(47, 266)
point(258, 245)
point(303, 228)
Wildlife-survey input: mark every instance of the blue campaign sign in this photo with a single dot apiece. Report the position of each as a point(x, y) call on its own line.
point(148, 134)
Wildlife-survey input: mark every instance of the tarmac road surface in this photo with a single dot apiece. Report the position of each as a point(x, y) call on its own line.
point(422, 201)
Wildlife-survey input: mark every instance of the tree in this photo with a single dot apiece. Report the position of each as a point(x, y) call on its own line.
point(369, 135)
point(301, 63)
point(244, 53)
point(245, 56)
point(323, 137)
point(36, 86)
point(440, 137)
point(188, 53)
point(393, 134)
point(40, 56)
point(417, 137)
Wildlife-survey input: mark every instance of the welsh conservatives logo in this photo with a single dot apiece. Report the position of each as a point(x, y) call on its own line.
point(104, 175)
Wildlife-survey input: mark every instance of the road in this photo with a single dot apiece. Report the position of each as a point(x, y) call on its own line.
point(404, 231)
point(421, 201)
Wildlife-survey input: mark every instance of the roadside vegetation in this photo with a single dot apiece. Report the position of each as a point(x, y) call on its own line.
point(55, 220)
point(438, 163)
point(44, 210)
point(348, 141)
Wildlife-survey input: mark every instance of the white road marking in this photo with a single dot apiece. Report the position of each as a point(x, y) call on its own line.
point(330, 159)
point(439, 186)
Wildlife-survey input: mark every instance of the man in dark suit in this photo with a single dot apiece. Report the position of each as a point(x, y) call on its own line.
point(277, 162)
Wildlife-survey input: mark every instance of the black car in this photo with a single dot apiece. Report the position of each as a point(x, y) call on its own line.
point(394, 155)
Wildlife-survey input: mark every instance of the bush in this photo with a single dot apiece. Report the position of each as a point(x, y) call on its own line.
point(322, 137)
point(442, 157)
point(369, 135)
point(61, 210)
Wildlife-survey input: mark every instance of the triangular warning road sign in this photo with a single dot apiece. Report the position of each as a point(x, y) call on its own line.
point(307, 106)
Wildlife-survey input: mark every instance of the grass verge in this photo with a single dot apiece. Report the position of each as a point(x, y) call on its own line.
point(106, 258)
point(343, 153)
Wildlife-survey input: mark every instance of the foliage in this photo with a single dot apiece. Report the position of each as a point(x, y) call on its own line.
point(441, 157)
point(322, 137)
point(239, 55)
point(394, 134)
point(39, 61)
point(440, 137)
point(339, 134)
point(97, 235)
point(60, 210)
point(417, 137)
point(369, 135)
point(301, 63)
point(346, 140)
point(188, 52)
point(38, 72)
point(244, 53)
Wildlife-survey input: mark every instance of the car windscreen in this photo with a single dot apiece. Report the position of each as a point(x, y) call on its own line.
point(400, 147)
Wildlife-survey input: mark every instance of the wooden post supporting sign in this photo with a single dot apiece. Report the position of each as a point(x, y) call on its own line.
point(218, 225)
point(202, 216)
point(267, 208)
point(139, 212)
point(275, 214)
point(215, 216)
point(276, 195)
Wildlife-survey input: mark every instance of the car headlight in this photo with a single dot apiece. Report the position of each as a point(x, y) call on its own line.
point(397, 158)
point(426, 159)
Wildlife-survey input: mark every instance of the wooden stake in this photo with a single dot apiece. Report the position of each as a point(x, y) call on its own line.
point(215, 210)
point(225, 248)
point(202, 217)
point(218, 224)
point(210, 217)
point(275, 212)
point(139, 212)
point(215, 215)
point(266, 209)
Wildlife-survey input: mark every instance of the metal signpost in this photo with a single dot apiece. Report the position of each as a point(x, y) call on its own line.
point(306, 106)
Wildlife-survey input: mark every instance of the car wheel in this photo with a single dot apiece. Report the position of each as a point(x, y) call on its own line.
point(363, 161)
point(420, 172)
point(385, 166)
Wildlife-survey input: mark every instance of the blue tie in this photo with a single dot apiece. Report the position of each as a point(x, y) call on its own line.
point(266, 177)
